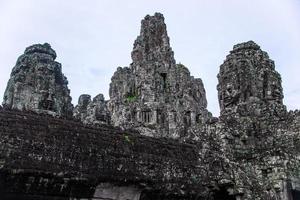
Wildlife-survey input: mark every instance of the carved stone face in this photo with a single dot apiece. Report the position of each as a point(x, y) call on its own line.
point(276, 91)
point(248, 81)
point(38, 84)
point(46, 102)
point(230, 95)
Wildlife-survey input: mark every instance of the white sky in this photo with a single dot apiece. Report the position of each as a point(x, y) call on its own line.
point(93, 37)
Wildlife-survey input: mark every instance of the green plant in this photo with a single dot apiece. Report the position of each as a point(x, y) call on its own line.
point(127, 139)
point(131, 98)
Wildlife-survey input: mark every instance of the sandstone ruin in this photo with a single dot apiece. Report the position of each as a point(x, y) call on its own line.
point(155, 95)
point(154, 138)
point(36, 83)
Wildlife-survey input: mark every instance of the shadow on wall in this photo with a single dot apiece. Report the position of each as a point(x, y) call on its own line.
point(296, 194)
point(222, 194)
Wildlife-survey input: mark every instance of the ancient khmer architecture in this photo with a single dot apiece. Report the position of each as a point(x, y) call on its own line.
point(248, 82)
point(154, 139)
point(155, 95)
point(37, 83)
point(93, 112)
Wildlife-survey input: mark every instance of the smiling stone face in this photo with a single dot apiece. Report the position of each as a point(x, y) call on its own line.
point(37, 83)
point(230, 95)
point(246, 78)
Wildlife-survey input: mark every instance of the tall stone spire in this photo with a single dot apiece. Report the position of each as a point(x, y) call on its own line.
point(152, 45)
point(152, 58)
point(155, 95)
point(38, 84)
point(248, 82)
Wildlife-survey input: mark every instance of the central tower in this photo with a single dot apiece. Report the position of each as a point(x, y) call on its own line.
point(155, 95)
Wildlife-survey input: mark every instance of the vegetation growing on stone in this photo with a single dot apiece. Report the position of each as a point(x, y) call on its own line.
point(131, 98)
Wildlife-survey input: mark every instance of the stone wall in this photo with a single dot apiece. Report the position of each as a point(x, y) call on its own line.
point(45, 156)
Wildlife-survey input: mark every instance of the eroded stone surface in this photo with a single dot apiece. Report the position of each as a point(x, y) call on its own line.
point(255, 135)
point(248, 82)
point(155, 95)
point(112, 192)
point(54, 158)
point(250, 152)
point(80, 110)
point(38, 84)
point(93, 112)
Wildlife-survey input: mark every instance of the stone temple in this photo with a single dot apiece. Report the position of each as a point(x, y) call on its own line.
point(154, 94)
point(154, 139)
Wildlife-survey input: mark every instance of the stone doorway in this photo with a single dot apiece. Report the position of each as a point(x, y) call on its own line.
point(222, 194)
point(295, 194)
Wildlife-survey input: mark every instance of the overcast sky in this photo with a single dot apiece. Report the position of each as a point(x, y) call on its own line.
point(93, 37)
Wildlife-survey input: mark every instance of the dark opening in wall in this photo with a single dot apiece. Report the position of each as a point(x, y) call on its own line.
point(149, 195)
point(222, 194)
point(164, 81)
point(101, 117)
point(296, 194)
point(146, 116)
point(160, 117)
point(132, 90)
point(133, 115)
point(187, 119)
